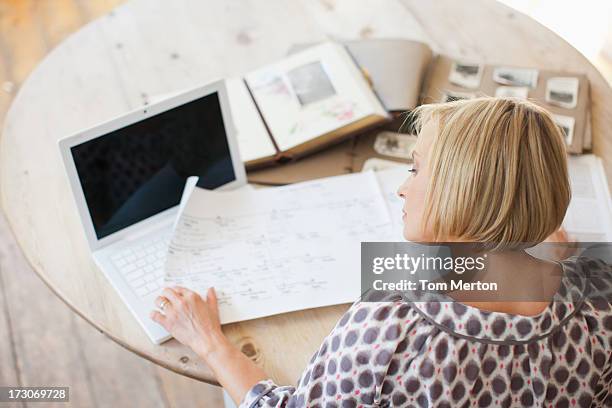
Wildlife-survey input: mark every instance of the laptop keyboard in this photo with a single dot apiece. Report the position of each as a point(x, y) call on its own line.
point(142, 265)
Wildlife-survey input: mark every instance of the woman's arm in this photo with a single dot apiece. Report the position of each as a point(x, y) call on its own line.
point(194, 321)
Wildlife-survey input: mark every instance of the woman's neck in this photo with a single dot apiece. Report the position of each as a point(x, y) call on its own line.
point(525, 285)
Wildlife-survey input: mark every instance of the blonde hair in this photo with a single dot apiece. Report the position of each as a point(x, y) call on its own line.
point(499, 172)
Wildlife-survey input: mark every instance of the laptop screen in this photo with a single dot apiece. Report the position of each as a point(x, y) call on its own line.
point(140, 170)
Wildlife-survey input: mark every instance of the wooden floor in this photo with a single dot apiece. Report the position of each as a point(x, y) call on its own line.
point(42, 342)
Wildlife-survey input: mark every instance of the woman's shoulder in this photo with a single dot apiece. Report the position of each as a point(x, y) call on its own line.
point(375, 313)
point(379, 324)
point(587, 277)
point(585, 296)
point(591, 278)
point(592, 261)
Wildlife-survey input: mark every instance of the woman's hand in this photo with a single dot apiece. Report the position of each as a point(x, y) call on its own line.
point(195, 322)
point(190, 319)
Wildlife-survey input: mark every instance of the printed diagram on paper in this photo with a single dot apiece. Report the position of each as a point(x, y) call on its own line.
point(280, 249)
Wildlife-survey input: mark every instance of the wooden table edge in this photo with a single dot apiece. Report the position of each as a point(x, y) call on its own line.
point(598, 73)
point(106, 333)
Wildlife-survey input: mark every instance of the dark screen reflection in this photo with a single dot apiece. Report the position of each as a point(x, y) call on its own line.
point(140, 170)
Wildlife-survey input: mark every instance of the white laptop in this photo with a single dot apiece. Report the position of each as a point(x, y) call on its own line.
point(128, 176)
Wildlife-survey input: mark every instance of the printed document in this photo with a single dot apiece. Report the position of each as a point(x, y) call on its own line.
point(276, 250)
point(589, 216)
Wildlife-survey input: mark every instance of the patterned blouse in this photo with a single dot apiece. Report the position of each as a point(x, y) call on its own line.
point(443, 354)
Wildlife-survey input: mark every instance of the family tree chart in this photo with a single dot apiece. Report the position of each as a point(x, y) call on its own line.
point(275, 250)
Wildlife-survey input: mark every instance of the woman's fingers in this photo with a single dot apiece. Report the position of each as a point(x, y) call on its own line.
point(187, 294)
point(191, 319)
point(213, 307)
point(182, 298)
point(161, 302)
point(172, 296)
point(159, 318)
point(211, 296)
point(181, 290)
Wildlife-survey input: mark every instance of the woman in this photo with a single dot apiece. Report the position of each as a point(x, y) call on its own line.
point(491, 171)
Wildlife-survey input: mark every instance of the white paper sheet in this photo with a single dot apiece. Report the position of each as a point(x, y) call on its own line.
point(281, 249)
point(589, 216)
point(390, 180)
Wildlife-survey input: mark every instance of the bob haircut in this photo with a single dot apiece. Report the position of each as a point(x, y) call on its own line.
point(499, 172)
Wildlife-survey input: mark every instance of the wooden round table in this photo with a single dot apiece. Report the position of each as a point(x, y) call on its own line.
point(152, 47)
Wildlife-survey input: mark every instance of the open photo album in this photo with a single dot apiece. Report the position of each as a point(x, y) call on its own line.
point(321, 94)
point(302, 103)
point(564, 94)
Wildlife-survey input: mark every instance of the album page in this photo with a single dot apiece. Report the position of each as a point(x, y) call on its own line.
point(312, 93)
